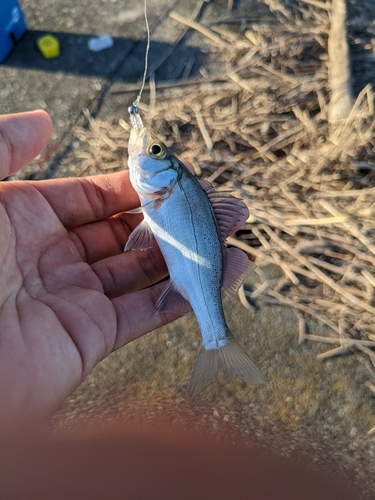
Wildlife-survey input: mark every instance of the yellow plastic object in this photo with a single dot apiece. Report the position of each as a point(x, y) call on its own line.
point(49, 46)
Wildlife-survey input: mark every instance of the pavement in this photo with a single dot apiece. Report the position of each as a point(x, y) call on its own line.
point(318, 412)
point(81, 79)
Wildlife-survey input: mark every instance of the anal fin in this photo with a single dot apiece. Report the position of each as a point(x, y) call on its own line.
point(237, 267)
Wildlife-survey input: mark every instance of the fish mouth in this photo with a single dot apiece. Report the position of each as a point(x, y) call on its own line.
point(136, 140)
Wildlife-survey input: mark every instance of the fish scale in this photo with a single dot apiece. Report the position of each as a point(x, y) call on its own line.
point(198, 277)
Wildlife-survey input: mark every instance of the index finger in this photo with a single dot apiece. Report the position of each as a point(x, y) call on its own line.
point(82, 200)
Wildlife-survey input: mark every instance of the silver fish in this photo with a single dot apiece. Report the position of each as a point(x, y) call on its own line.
point(190, 224)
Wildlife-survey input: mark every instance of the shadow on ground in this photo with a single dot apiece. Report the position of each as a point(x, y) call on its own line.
point(77, 59)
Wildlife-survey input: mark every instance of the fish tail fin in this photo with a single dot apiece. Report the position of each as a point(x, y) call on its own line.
point(236, 362)
point(205, 371)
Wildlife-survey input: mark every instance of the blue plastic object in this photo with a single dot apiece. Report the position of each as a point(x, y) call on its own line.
point(12, 26)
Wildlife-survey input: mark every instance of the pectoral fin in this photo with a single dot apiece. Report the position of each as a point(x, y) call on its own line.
point(172, 301)
point(137, 210)
point(141, 238)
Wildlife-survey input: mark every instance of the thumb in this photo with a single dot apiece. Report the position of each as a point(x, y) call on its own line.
point(22, 137)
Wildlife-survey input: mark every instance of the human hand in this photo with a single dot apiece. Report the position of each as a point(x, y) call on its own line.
point(69, 296)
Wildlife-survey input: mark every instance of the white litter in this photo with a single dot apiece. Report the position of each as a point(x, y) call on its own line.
point(99, 43)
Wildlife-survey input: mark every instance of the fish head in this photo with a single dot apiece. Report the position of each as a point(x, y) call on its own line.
point(154, 170)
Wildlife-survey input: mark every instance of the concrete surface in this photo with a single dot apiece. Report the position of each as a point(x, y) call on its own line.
point(318, 412)
point(78, 78)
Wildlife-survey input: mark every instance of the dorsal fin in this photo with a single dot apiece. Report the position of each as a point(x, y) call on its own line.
point(231, 213)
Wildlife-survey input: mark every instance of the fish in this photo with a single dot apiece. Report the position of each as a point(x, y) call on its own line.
point(190, 221)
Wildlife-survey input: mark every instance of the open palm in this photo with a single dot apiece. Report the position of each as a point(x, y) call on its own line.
point(68, 294)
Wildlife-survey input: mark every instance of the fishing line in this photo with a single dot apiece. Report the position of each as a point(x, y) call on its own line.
point(136, 102)
point(133, 110)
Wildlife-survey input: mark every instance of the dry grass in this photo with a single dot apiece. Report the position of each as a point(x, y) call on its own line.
point(261, 129)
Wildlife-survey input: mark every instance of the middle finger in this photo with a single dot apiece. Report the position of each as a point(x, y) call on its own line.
point(130, 271)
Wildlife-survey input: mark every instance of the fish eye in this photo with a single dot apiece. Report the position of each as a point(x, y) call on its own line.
point(157, 150)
